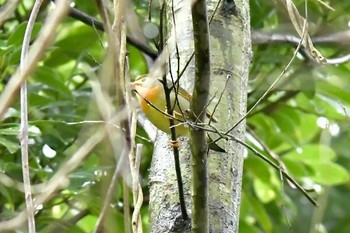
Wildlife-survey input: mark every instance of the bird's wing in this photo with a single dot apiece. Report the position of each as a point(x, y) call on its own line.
point(187, 97)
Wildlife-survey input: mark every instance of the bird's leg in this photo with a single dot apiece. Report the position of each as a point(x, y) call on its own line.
point(175, 143)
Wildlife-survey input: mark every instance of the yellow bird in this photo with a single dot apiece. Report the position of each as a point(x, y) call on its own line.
point(151, 97)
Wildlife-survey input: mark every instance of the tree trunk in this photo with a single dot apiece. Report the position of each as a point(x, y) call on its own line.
point(230, 58)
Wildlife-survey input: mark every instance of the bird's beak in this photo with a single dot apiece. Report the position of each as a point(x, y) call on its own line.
point(133, 85)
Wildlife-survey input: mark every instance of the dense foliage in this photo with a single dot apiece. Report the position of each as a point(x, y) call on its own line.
point(304, 122)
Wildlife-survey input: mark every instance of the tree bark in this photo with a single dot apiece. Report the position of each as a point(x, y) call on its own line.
point(230, 58)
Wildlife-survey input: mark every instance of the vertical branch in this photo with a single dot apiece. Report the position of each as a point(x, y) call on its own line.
point(199, 101)
point(126, 208)
point(136, 189)
point(170, 106)
point(23, 132)
point(115, 67)
point(134, 161)
point(130, 131)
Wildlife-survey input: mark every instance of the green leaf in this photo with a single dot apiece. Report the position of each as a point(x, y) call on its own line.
point(260, 213)
point(47, 76)
point(76, 42)
point(264, 191)
point(88, 223)
point(258, 168)
point(328, 173)
point(14, 56)
point(319, 159)
point(16, 38)
point(307, 129)
point(287, 119)
point(330, 107)
point(248, 228)
point(334, 91)
point(321, 105)
point(137, 61)
point(11, 146)
point(39, 100)
point(4, 48)
point(11, 167)
point(312, 152)
point(10, 131)
point(267, 129)
point(295, 167)
point(13, 131)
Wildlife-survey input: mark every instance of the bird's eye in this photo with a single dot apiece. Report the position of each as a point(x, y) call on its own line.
point(143, 80)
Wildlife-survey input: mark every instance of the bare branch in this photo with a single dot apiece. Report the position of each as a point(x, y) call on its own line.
point(229, 136)
point(270, 87)
point(161, 61)
point(300, 25)
point(136, 189)
point(343, 37)
point(199, 146)
point(23, 131)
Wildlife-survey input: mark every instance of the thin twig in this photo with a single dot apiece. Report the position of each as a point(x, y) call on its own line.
point(23, 131)
point(134, 174)
point(176, 153)
point(116, 69)
point(192, 55)
point(284, 173)
point(281, 165)
point(220, 97)
point(229, 136)
point(268, 150)
point(259, 37)
point(130, 130)
point(270, 87)
point(105, 106)
point(102, 102)
point(300, 25)
point(12, 183)
point(136, 189)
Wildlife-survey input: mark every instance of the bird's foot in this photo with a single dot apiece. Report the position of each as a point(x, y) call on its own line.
point(175, 143)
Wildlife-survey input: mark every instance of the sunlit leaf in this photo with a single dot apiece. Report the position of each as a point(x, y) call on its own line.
point(312, 152)
point(47, 76)
point(264, 191)
point(16, 38)
point(11, 146)
point(296, 168)
point(328, 173)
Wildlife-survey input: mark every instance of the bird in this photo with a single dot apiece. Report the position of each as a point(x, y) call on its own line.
point(152, 100)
